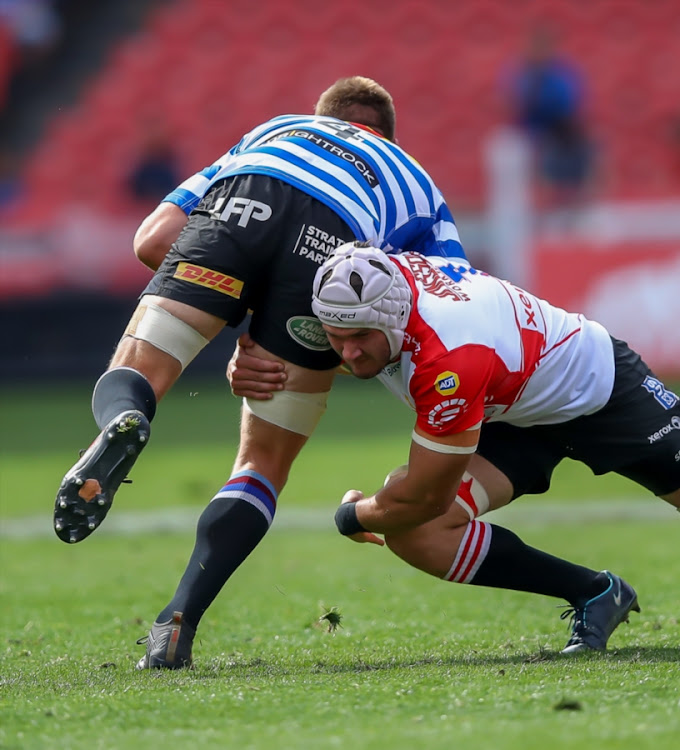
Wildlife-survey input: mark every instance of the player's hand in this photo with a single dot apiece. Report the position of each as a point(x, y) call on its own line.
point(363, 537)
point(251, 376)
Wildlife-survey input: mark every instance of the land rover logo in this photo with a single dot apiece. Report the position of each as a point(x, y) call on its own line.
point(308, 332)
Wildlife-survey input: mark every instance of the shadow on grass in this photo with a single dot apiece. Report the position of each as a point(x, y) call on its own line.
point(253, 667)
point(66, 675)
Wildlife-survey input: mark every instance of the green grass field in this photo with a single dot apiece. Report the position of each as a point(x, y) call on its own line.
point(417, 661)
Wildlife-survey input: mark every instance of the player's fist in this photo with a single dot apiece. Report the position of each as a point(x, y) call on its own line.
point(352, 496)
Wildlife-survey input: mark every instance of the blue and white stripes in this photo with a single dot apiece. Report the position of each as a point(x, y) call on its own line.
point(376, 187)
point(254, 489)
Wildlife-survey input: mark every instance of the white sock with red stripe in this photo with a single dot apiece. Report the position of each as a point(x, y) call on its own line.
point(490, 555)
point(471, 552)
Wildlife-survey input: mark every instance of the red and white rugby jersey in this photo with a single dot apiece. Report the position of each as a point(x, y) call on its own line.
point(480, 349)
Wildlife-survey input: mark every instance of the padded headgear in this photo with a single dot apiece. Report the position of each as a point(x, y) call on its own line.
point(359, 287)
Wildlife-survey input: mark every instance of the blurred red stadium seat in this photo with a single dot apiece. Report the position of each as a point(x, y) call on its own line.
point(213, 73)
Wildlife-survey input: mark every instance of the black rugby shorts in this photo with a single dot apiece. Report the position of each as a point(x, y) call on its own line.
point(635, 434)
point(255, 243)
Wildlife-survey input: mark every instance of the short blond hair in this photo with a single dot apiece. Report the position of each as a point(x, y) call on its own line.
point(346, 95)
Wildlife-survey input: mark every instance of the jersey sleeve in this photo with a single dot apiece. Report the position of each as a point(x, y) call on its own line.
point(188, 194)
point(449, 391)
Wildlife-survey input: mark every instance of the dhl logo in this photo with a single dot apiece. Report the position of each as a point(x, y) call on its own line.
point(446, 383)
point(211, 279)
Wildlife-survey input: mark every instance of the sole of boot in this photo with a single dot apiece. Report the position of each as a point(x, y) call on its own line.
point(86, 492)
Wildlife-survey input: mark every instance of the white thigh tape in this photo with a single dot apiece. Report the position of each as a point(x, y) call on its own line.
point(472, 496)
point(297, 412)
point(431, 445)
point(166, 332)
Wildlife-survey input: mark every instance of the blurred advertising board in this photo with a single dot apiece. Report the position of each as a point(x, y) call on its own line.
point(81, 250)
point(633, 288)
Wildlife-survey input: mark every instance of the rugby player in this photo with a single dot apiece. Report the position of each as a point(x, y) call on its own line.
point(504, 386)
point(356, 99)
point(264, 217)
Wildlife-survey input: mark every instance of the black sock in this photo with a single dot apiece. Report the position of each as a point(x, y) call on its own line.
point(228, 530)
point(122, 389)
point(512, 564)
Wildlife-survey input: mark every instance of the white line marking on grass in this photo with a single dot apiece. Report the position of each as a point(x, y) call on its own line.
point(544, 512)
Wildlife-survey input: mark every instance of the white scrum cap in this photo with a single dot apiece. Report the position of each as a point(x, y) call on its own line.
point(359, 287)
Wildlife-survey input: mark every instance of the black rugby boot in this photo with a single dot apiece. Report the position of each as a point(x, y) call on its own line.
point(596, 620)
point(86, 492)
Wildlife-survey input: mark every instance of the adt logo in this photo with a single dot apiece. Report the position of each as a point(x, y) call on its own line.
point(447, 383)
point(245, 207)
point(666, 398)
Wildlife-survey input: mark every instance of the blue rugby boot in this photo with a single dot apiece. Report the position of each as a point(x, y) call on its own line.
point(168, 645)
point(86, 492)
point(596, 620)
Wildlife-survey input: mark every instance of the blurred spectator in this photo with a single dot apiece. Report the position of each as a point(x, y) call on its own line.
point(156, 171)
point(546, 97)
point(30, 34)
point(35, 26)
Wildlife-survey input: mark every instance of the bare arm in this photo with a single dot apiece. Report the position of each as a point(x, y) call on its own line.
point(423, 493)
point(157, 232)
point(252, 376)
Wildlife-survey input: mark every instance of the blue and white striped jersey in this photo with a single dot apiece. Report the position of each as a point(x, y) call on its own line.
point(381, 192)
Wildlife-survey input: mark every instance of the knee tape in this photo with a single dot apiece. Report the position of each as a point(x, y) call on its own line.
point(472, 496)
point(166, 332)
point(297, 412)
